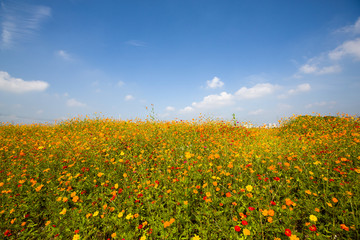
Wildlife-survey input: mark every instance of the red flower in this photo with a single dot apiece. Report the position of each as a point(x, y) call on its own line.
point(243, 222)
point(140, 226)
point(276, 178)
point(237, 228)
point(65, 167)
point(273, 203)
point(288, 232)
point(77, 231)
point(7, 233)
point(251, 208)
point(313, 228)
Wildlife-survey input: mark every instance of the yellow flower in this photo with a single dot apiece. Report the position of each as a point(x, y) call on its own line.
point(63, 211)
point(246, 232)
point(100, 174)
point(208, 194)
point(196, 237)
point(120, 214)
point(1, 184)
point(129, 216)
point(265, 212)
point(12, 210)
point(249, 188)
point(76, 237)
point(64, 199)
point(116, 186)
point(73, 194)
point(96, 213)
point(186, 202)
point(75, 199)
point(293, 237)
point(143, 237)
point(313, 218)
point(329, 204)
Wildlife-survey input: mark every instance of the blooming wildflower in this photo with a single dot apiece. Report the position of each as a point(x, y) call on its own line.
point(293, 237)
point(344, 227)
point(243, 222)
point(228, 194)
point(195, 237)
point(313, 218)
point(143, 237)
point(334, 200)
point(251, 208)
point(47, 223)
point(120, 214)
point(96, 213)
point(249, 188)
point(237, 228)
point(287, 232)
point(129, 216)
point(313, 228)
point(270, 219)
point(113, 235)
point(63, 211)
point(76, 237)
point(246, 232)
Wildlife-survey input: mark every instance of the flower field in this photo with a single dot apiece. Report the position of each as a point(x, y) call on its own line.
point(108, 179)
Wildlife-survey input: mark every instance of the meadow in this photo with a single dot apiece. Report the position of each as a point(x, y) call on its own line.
point(99, 178)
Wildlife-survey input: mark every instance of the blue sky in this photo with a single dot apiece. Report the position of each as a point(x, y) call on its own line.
point(261, 60)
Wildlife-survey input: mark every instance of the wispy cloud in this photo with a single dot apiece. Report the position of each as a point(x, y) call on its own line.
point(129, 97)
point(20, 21)
point(136, 43)
point(64, 55)
point(348, 48)
point(75, 103)
point(330, 62)
point(17, 85)
point(214, 83)
point(353, 29)
point(321, 104)
point(256, 112)
point(120, 83)
point(305, 87)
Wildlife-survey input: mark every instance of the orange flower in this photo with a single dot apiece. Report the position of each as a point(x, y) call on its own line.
point(228, 194)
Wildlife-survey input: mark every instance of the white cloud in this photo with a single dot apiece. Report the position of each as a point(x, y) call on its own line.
point(259, 90)
point(354, 29)
point(186, 110)
point(214, 101)
point(321, 104)
point(214, 83)
point(129, 97)
point(21, 21)
point(64, 55)
point(256, 112)
point(351, 47)
point(74, 103)
point(17, 85)
point(307, 68)
point(305, 87)
point(312, 67)
point(170, 108)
